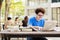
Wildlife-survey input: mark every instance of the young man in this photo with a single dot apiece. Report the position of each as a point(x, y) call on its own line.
point(37, 22)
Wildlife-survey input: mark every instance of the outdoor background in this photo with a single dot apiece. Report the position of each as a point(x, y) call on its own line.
point(21, 8)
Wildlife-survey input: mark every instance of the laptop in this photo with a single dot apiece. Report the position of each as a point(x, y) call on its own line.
point(49, 25)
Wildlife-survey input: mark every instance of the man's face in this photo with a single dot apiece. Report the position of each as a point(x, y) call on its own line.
point(40, 15)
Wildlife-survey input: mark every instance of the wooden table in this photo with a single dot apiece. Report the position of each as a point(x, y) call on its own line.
point(29, 34)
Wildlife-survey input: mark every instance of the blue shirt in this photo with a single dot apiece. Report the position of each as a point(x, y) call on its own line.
point(33, 22)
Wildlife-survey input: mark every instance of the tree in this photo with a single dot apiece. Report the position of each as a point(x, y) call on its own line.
point(0, 12)
point(16, 8)
point(0, 3)
point(6, 9)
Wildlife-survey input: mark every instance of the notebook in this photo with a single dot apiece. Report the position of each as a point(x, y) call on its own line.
point(49, 25)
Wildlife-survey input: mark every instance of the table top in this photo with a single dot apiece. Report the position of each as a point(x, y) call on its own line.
point(30, 32)
point(15, 31)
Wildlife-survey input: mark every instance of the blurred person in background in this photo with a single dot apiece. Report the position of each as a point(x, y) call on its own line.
point(37, 22)
point(25, 21)
point(16, 21)
point(8, 23)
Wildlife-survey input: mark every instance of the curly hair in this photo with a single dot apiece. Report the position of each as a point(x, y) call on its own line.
point(42, 10)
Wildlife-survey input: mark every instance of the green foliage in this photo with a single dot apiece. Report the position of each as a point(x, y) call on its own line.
point(16, 8)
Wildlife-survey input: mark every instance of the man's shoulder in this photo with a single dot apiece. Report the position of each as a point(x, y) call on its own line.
point(43, 19)
point(32, 18)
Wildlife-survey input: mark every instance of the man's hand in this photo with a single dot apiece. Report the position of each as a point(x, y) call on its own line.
point(36, 28)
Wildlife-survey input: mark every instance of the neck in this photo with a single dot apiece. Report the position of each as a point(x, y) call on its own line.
point(38, 19)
